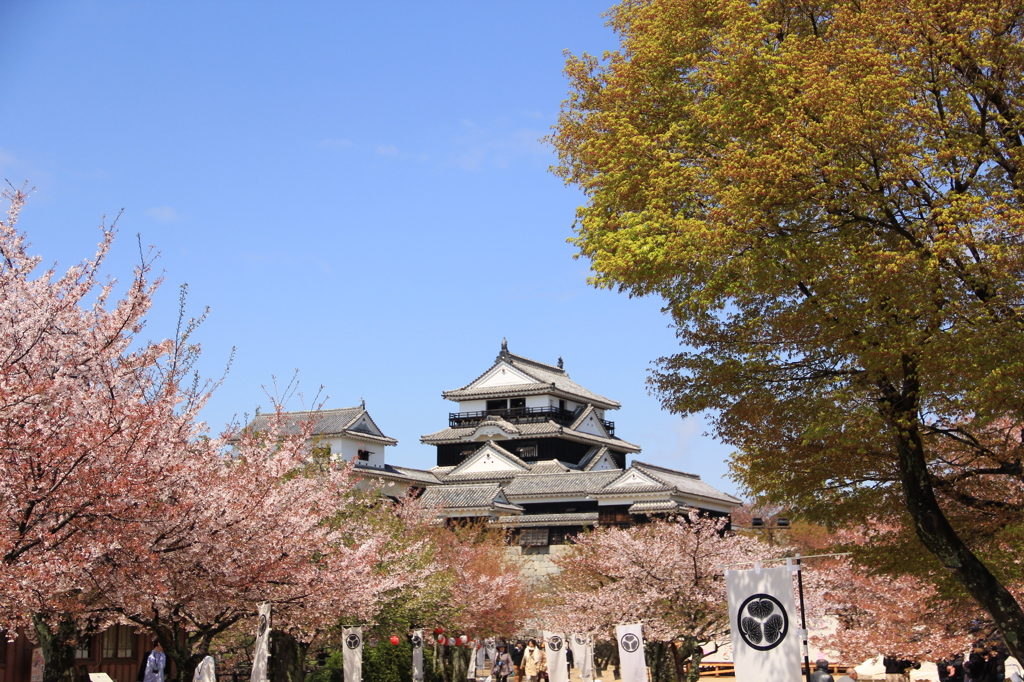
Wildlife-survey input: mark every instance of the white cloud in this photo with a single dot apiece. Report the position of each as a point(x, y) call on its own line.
point(163, 214)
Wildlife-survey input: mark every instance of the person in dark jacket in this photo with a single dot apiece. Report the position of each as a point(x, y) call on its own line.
point(974, 668)
point(821, 673)
point(898, 669)
point(951, 670)
point(517, 659)
point(995, 665)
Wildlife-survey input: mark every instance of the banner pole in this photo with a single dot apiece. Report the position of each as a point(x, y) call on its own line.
point(803, 618)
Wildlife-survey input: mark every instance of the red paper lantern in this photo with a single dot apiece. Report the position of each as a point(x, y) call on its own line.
point(440, 640)
point(395, 640)
point(438, 630)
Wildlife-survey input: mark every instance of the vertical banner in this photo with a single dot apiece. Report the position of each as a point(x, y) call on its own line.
point(631, 653)
point(262, 649)
point(491, 645)
point(417, 656)
point(762, 617)
point(583, 655)
point(558, 667)
point(206, 671)
point(353, 656)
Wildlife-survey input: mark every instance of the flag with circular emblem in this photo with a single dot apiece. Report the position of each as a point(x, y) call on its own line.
point(583, 655)
point(632, 663)
point(352, 646)
point(261, 652)
point(558, 667)
point(417, 655)
point(762, 617)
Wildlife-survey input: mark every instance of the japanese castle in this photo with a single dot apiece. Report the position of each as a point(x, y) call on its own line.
point(528, 449)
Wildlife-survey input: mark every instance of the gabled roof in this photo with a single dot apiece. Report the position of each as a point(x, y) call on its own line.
point(348, 422)
point(590, 413)
point(688, 484)
point(598, 458)
point(490, 460)
point(546, 379)
point(547, 429)
point(388, 472)
point(477, 498)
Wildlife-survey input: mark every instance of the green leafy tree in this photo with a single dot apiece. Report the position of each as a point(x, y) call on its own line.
point(827, 196)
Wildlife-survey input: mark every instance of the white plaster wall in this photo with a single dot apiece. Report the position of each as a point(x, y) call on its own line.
point(346, 449)
point(473, 406)
point(539, 401)
point(504, 376)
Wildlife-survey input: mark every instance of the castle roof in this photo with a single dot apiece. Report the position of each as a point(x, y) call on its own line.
point(349, 422)
point(522, 377)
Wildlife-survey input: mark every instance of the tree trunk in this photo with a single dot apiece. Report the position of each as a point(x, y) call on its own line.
point(932, 527)
point(287, 657)
point(58, 645)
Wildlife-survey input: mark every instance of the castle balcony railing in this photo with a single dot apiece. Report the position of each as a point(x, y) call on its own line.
point(522, 415)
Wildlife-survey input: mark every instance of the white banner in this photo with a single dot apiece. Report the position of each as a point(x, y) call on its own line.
point(583, 655)
point(353, 656)
point(417, 656)
point(762, 617)
point(631, 652)
point(206, 671)
point(262, 650)
point(558, 668)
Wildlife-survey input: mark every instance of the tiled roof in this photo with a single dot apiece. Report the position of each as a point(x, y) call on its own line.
point(660, 506)
point(335, 422)
point(402, 473)
point(551, 466)
point(528, 520)
point(575, 482)
point(689, 484)
point(547, 377)
point(537, 429)
point(466, 497)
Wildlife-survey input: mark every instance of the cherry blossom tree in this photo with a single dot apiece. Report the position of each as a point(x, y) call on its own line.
point(263, 523)
point(88, 418)
point(665, 574)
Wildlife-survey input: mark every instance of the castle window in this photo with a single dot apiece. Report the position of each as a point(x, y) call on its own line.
point(533, 537)
point(364, 455)
point(527, 452)
point(495, 405)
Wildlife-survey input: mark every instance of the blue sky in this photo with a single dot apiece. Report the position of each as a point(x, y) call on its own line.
point(356, 190)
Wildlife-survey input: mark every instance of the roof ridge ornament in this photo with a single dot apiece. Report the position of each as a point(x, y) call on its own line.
point(560, 363)
point(504, 354)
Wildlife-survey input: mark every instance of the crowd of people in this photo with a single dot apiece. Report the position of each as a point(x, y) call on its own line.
point(524, 662)
point(987, 662)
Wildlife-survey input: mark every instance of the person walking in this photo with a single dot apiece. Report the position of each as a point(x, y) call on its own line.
point(517, 659)
point(153, 668)
point(502, 664)
point(535, 661)
point(850, 676)
point(821, 673)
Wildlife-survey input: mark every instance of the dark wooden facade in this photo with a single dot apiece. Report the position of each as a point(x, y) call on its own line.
point(116, 653)
point(571, 452)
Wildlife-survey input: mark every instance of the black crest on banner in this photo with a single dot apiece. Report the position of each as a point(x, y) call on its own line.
point(555, 643)
point(417, 641)
point(630, 642)
point(352, 641)
point(763, 622)
point(263, 626)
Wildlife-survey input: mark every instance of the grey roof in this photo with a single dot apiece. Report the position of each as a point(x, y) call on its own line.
point(575, 482)
point(401, 473)
point(659, 506)
point(688, 484)
point(537, 429)
point(548, 377)
point(337, 422)
point(486, 496)
point(528, 520)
